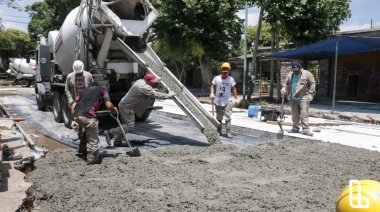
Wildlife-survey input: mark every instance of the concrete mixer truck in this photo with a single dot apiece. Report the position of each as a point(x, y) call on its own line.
point(23, 71)
point(110, 37)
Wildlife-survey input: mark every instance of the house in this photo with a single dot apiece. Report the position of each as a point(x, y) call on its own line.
point(357, 66)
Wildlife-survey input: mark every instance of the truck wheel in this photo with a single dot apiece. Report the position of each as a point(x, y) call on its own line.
point(66, 112)
point(24, 83)
point(57, 107)
point(41, 106)
point(146, 114)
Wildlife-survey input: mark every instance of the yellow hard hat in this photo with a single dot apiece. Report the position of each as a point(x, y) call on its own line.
point(369, 197)
point(226, 65)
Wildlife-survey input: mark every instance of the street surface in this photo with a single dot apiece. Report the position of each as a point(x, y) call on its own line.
point(289, 174)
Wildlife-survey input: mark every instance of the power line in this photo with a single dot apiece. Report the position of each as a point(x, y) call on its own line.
point(15, 21)
point(14, 16)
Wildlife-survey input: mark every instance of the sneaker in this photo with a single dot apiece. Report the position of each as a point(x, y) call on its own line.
point(293, 131)
point(229, 135)
point(307, 133)
point(118, 143)
point(109, 136)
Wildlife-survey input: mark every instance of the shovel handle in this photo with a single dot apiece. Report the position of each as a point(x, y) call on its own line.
point(121, 127)
point(282, 118)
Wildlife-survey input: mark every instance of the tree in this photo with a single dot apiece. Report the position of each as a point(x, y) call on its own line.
point(205, 29)
point(14, 43)
point(11, 3)
point(264, 40)
point(2, 28)
point(305, 21)
point(48, 15)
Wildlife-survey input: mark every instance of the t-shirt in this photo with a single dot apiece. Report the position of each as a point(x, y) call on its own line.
point(294, 87)
point(223, 89)
point(89, 101)
point(79, 83)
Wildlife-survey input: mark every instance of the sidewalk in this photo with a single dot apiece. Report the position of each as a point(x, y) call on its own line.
point(352, 133)
point(319, 108)
point(14, 183)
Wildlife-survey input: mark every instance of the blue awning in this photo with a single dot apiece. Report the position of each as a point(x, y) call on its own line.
point(326, 49)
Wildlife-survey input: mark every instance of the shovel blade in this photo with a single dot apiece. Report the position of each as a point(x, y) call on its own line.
point(134, 152)
point(280, 134)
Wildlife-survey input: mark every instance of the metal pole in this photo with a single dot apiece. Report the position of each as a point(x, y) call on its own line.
point(86, 58)
point(245, 50)
point(336, 64)
point(261, 78)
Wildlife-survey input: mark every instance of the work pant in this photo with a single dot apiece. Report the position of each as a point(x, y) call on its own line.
point(90, 126)
point(300, 112)
point(128, 120)
point(224, 112)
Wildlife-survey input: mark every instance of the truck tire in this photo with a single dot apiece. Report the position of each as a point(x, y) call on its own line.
point(66, 112)
point(41, 105)
point(24, 83)
point(146, 114)
point(57, 106)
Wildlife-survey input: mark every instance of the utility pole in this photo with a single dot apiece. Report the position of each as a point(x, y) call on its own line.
point(245, 50)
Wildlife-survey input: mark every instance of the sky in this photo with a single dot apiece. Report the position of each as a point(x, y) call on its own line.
point(363, 11)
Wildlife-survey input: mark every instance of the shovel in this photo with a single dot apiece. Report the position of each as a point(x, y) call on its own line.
point(132, 152)
point(280, 134)
point(213, 106)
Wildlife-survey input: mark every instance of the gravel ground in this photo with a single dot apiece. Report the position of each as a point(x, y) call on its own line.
point(287, 175)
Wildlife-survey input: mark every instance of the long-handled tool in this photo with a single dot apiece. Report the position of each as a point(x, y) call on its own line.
point(213, 107)
point(280, 133)
point(132, 152)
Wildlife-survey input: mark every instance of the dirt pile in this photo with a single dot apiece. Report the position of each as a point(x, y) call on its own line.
point(288, 175)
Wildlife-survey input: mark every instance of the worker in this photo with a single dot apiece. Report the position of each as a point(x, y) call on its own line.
point(220, 93)
point(76, 82)
point(134, 102)
point(84, 113)
point(300, 88)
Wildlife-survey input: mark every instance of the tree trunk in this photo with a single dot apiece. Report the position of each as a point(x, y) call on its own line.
point(278, 66)
point(256, 44)
point(205, 73)
point(272, 67)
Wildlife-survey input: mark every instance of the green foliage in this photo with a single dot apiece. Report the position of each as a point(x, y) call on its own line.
point(264, 40)
point(2, 28)
point(307, 21)
point(14, 43)
point(48, 15)
point(313, 68)
point(204, 30)
point(12, 4)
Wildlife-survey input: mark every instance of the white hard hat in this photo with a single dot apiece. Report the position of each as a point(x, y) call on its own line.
point(78, 66)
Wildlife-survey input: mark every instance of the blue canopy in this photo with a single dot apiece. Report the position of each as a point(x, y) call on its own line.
point(326, 49)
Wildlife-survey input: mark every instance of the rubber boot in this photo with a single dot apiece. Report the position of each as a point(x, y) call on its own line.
point(219, 128)
point(228, 129)
point(93, 158)
point(83, 144)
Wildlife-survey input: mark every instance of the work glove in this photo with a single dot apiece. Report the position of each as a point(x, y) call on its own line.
point(235, 102)
point(171, 94)
point(283, 91)
point(75, 125)
point(310, 98)
point(114, 111)
point(212, 96)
